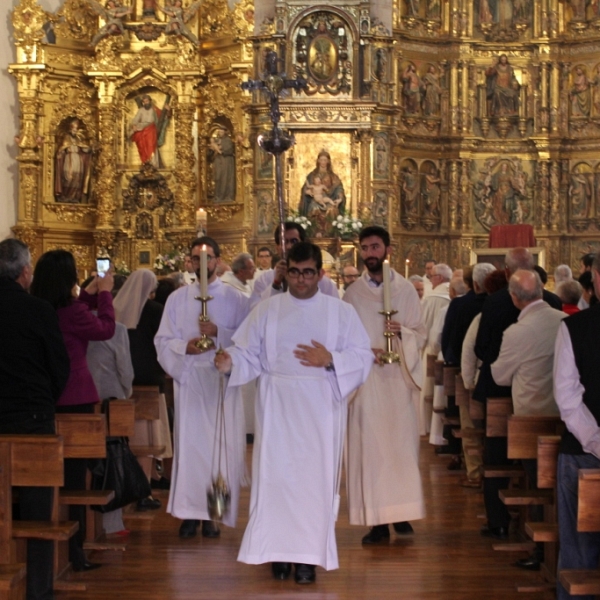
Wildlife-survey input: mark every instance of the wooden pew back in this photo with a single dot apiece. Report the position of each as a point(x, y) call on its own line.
point(146, 399)
point(547, 456)
point(84, 434)
point(497, 412)
point(588, 515)
point(523, 433)
point(449, 375)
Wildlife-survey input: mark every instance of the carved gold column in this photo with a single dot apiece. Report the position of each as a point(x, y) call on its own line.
point(555, 192)
point(364, 138)
point(543, 193)
point(544, 98)
point(465, 195)
point(554, 97)
point(453, 195)
point(454, 108)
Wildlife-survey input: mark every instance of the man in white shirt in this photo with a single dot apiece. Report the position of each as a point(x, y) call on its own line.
point(241, 274)
point(189, 274)
point(427, 283)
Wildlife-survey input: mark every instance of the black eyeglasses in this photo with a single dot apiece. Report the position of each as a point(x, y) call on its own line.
point(294, 273)
point(292, 242)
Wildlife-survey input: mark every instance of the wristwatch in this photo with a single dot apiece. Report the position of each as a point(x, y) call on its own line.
point(330, 366)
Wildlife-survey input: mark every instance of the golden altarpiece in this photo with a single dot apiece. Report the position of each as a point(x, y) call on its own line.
point(435, 118)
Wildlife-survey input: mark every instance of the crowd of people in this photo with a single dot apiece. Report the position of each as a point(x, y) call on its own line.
point(303, 375)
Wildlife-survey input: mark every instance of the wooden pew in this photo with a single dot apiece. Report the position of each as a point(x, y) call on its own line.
point(580, 582)
point(146, 400)
point(27, 460)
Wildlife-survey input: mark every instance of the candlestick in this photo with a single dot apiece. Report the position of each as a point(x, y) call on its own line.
point(205, 342)
point(387, 300)
point(389, 356)
point(406, 268)
point(203, 272)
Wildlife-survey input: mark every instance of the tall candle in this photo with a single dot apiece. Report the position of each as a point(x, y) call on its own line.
point(387, 300)
point(203, 272)
point(406, 268)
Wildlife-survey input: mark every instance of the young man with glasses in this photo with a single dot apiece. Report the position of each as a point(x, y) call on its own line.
point(197, 393)
point(274, 282)
point(309, 352)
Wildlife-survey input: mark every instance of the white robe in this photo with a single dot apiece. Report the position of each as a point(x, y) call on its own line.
point(382, 454)
point(196, 383)
point(300, 421)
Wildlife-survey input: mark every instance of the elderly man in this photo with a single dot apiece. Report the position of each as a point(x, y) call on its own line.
point(34, 368)
point(562, 273)
point(349, 275)
point(497, 315)
point(577, 393)
point(525, 363)
point(418, 284)
point(432, 303)
point(569, 292)
point(241, 274)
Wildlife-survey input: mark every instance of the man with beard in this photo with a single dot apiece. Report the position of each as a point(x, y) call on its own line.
point(197, 393)
point(382, 462)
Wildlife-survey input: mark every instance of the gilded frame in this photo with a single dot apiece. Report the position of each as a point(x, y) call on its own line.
point(496, 256)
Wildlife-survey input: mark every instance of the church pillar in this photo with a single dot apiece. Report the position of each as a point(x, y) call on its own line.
point(453, 194)
point(454, 108)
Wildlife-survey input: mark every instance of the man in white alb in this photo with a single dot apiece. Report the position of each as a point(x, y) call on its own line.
point(309, 352)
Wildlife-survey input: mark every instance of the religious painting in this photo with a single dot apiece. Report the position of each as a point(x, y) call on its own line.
point(381, 156)
point(221, 160)
point(72, 163)
point(418, 251)
point(430, 192)
point(267, 211)
point(502, 188)
point(264, 163)
point(148, 131)
point(322, 58)
point(580, 93)
point(409, 189)
point(580, 191)
point(379, 66)
point(144, 229)
point(497, 256)
point(502, 20)
point(321, 179)
point(379, 209)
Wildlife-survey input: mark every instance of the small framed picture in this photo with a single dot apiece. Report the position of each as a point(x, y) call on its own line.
point(496, 256)
point(144, 257)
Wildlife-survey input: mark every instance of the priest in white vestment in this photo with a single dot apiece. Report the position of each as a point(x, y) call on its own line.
point(382, 455)
point(273, 282)
point(196, 383)
point(438, 298)
point(309, 352)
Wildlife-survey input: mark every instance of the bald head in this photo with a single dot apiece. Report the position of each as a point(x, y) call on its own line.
point(518, 258)
point(525, 287)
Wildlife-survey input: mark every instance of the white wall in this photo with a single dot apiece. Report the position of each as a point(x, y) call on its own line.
point(10, 119)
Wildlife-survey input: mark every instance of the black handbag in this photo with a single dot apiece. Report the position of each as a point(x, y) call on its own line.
point(120, 472)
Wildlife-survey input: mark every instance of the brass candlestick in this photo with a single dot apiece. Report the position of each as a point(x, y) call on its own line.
point(389, 356)
point(205, 343)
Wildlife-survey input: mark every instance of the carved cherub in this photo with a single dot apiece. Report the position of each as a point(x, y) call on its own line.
point(112, 13)
point(178, 17)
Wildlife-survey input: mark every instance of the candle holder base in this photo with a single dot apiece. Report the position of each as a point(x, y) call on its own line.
point(205, 344)
point(388, 357)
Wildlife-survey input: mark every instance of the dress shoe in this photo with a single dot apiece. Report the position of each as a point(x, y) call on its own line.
point(86, 566)
point(498, 533)
point(210, 529)
point(305, 573)
point(160, 484)
point(377, 535)
point(148, 504)
point(444, 450)
point(188, 528)
point(471, 483)
point(403, 528)
point(281, 570)
point(529, 564)
point(455, 464)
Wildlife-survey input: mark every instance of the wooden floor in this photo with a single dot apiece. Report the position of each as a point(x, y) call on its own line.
point(446, 558)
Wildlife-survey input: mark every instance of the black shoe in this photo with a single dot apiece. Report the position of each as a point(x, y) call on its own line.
point(377, 535)
point(305, 573)
point(86, 566)
point(147, 504)
point(281, 570)
point(160, 484)
point(529, 564)
point(498, 533)
point(444, 450)
point(455, 464)
point(403, 528)
point(188, 528)
point(210, 529)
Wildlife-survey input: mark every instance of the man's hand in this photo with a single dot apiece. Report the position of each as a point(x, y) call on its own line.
point(106, 283)
point(191, 347)
point(377, 352)
point(280, 272)
point(313, 356)
point(394, 327)
point(209, 329)
point(223, 362)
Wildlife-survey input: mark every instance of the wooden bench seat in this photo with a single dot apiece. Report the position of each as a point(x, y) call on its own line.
point(542, 532)
point(12, 581)
point(469, 432)
point(147, 450)
point(43, 530)
point(580, 582)
point(510, 471)
point(517, 497)
point(86, 497)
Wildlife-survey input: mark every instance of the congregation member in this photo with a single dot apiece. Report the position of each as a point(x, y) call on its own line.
point(427, 283)
point(309, 352)
point(418, 284)
point(562, 273)
point(274, 281)
point(349, 275)
point(264, 256)
point(55, 280)
point(569, 292)
point(497, 314)
point(164, 288)
point(196, 383)
point(577, 393)
point(382, 463)
point(585, 263)
point(525, 364)
point(439, 297)
point(137, 309)
point(241, 274)
point(34, 369)
point(189, 274)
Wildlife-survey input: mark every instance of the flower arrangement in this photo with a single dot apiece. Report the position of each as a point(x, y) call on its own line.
point(168, 263)
point(302, 221)
point(121, 268)
point(344, 226)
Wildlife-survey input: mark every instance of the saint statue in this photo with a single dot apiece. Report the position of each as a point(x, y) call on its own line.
point(431, 92)
point(580, 94)
point(322, 193)
point(411, 90)
point(222, 155)
point(72, 166)
point(502, 89)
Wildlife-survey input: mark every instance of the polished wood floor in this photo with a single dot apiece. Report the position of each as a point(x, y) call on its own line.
point(446, 558)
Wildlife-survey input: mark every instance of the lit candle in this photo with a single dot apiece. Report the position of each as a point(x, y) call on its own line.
point(203, 273)
point(406, 268)
point(387, 301)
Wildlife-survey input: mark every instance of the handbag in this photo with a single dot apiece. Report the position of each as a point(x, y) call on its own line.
point(119, 472)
